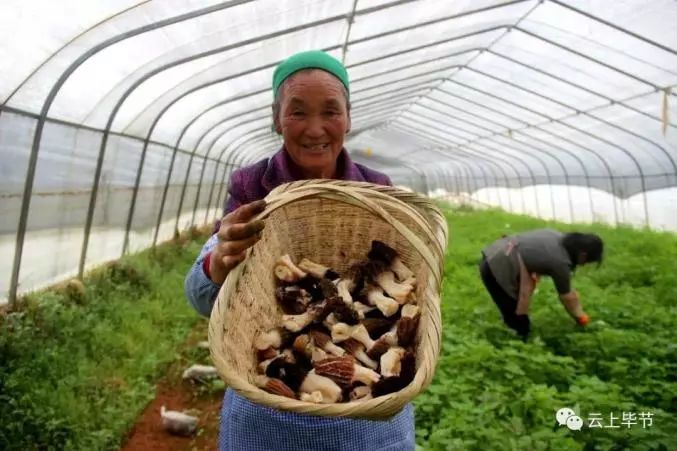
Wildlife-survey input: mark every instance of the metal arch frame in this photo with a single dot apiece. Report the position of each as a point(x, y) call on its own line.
point(622, 149)
point(257, 39)
point(499, 157)
point(200, 183)
point(175, 150)
point(455, 151)
point(241, 124)
point(117, 39)
point(442, 69)
point(463, 145)
point(260, 38)
point(557, 160)
point(405, 129)
point(535, 127)
point(37, 135)
point(443, 139)
point(482, 118)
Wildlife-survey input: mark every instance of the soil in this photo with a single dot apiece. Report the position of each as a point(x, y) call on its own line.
point(202, 400)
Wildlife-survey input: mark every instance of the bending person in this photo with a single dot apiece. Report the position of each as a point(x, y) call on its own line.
point(512, 266)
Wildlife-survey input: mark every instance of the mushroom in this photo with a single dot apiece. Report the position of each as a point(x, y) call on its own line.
point(343, 288)
point(390, 361)
point(274, 386)
point(361, 393)
point(323, 341)
point(341, 332)
point(268, 343)
point(316, 312)
point(315, 397)
point(380, 275)
point(387, 306)
point(407, 325)
point(344, 371)
point(199, 372)
point(382, 252)
point(377, 326)
point(313, 382)
point(342, 311)
point(362, 309)
point(287, 271)
point(178, 423)
point(290, 372)
point(357, 350)
point(328, 289)
point(317, 270)
point(330, 320)
point(293, 299)
point(392, 384)
point(262, 367)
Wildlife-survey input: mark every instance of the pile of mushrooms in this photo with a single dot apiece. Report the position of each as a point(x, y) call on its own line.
point(344, 337)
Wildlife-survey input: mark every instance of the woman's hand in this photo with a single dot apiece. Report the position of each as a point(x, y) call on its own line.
point(238, 233)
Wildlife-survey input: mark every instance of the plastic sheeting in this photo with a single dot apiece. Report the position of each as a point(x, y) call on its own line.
point(124, 118)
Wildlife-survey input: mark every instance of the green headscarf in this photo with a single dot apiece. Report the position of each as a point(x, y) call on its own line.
point(313, 59)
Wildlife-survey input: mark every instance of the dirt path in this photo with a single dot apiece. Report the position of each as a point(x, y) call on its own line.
point(201, 400)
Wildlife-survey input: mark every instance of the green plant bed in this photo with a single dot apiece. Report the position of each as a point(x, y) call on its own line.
point(78, 362)
point(493, 392)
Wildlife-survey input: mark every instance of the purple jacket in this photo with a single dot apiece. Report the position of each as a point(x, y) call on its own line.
point(256, 181)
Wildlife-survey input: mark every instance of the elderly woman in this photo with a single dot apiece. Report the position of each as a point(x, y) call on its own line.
point(311, 110)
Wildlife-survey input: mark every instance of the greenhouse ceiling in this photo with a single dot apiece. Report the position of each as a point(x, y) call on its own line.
point(502, 93)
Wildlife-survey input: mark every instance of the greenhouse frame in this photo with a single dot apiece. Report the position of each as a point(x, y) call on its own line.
point(121, 121)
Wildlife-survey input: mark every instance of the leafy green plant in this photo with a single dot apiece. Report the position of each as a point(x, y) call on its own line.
point(491, 391)
point(78, 363)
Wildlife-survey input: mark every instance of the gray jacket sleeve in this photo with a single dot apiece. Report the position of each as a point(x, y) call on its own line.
point(200, 290)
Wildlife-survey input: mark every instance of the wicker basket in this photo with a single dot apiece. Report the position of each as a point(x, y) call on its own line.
point(331, 222)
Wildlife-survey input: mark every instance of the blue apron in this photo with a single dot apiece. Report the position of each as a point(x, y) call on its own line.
point(246, 426)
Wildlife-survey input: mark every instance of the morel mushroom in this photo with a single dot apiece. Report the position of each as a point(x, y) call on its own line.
point(274, 386)
point(315, 397)
point(407, 325)
point(362, 309)
point(304, 345)
point(293, 299)
point(387, 306)
point(382, 252)
point(178, 423)
point(361, 393)
point(380, 275)
point(268, 343)
point(199, 372)
point(390, 361)
point(316, 312)
point(323, 341)
point(392, 384)
point(344, 371)
point(313, 382)
point(317, 270)
point(341, 332)
point(342, 311)
point(357, 350)
point(287, 271)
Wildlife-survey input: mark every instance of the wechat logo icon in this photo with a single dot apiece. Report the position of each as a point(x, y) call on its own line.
point(567, 417)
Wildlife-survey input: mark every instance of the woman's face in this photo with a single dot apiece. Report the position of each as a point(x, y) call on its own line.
point(313, 120)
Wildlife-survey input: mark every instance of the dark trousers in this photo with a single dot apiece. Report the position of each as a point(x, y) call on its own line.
point(505, 303)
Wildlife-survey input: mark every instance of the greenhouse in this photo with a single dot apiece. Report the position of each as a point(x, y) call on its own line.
point(127, 125)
